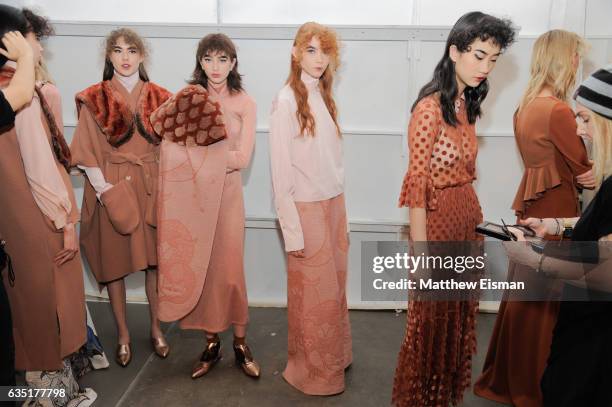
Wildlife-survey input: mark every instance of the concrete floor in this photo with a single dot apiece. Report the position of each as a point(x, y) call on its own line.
point(150, 381)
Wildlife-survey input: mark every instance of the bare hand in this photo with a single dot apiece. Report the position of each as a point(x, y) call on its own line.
point(297, 253)
point(587, 180)
point(71, 245)
point(16, 46)
point(520, 236)
point(541, 227)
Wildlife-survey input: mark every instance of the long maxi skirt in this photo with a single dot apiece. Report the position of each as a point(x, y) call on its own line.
point(319, 342)
point(435, 362)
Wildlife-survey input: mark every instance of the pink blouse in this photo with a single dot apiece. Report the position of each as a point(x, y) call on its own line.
point(304, 168)
point(42, 173)
point(240, 114)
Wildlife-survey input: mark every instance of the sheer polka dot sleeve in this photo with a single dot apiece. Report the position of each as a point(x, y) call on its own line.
point(422, 132)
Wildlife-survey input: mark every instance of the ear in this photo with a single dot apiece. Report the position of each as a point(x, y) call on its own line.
point(233, 64)
point(201, 63)
point(294, 53)
point(453, 52)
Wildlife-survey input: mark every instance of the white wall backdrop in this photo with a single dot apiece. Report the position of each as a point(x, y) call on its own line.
point(389, 50)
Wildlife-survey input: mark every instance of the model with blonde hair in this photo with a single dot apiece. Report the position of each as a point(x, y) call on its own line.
point(556, 164)
point(600, 130)
point(308, 181)
point(577, 371)
point(114, 143)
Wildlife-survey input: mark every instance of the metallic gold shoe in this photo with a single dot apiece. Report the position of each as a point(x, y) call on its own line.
point(244, 358)
point(161, 347)
point(210, 356)
point(123, 355)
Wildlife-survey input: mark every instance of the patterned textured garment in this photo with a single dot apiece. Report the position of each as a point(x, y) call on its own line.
point(191, 180)
point(319, 343)
point(201, 231)
point(434, 365)
point(67, 392)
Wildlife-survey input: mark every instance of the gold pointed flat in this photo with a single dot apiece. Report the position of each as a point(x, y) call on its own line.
point(123, 355)
point(161, 347)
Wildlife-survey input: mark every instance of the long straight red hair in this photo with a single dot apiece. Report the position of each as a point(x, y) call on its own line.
point(329, 45)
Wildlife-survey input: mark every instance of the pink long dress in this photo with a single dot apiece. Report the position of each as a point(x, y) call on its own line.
point(202, 220)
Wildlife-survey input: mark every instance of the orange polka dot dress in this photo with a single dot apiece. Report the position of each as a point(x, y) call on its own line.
point(434, 365)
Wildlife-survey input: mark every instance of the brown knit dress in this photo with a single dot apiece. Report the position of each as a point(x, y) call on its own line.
point(434, 365)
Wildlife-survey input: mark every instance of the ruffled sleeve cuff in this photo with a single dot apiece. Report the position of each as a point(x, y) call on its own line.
point(535, 182)
point(418, 192)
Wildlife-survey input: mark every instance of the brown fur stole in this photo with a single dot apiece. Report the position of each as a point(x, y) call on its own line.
point(114, 117)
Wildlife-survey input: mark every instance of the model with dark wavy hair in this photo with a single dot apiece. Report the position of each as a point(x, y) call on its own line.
point(434, 365)
point(446, 83)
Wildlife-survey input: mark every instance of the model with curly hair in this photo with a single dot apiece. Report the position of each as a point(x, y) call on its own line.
point(308, 181)
point(115, 145)
point(434, 365)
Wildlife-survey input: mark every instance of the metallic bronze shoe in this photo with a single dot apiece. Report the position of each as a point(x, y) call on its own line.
point(123, 355)
point(162, 349)
point(210, 356)
point(244, 358)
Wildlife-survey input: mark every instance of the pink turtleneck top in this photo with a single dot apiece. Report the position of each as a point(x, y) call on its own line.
point(240, 114)
point(304, 168)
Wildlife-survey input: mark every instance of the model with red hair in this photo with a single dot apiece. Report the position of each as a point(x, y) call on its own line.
point(308, 181)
